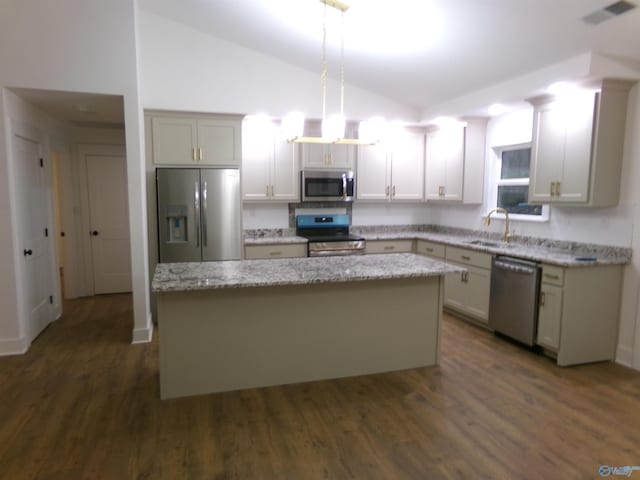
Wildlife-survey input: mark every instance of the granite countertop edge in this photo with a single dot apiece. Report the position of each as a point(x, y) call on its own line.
point(177, 277)
point(557, 257)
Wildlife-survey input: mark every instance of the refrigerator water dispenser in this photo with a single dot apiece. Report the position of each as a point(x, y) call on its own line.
point(176, 218)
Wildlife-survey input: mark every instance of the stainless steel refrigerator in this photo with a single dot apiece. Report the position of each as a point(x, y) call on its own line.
point(199, 214)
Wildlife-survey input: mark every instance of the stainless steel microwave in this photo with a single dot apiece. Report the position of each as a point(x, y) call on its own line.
point(327, 186)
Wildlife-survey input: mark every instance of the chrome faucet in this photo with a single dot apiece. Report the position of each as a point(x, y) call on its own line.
point(507, 233)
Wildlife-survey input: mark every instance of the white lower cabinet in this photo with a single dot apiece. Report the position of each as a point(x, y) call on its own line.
point(549, 316)
point(255, 252)
point(389, 246)
point(578, 314)
point(468, 292)
point(430, 249)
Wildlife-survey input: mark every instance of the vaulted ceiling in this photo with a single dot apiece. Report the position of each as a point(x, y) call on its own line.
point(417, 52)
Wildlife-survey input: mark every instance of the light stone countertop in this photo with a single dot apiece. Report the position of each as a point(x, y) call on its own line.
point(174, 277)
point(560, 253)
point(580, 256)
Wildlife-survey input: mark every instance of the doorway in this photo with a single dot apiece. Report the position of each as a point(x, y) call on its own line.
point(105, 215)
point(38, 283)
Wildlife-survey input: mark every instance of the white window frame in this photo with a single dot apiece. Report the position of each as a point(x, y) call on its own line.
point(497, 181)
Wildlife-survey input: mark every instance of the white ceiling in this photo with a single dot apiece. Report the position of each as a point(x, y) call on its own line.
point(80, 109)
point(475, 44)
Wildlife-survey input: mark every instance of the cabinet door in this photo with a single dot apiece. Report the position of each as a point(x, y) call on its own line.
point(434, 173)
point(341, 156)
point(454, 291)
point(219, 142)
point(478, 288)
point(407, 168)
point(174, 140)
point(547, 153)
point(454, 163)
point(372, 179)
point(285, 180)
point(257, 154)
point(549, 316)
point(314, 155)
point(576, 168)
point(468, 292)
point(444, 164)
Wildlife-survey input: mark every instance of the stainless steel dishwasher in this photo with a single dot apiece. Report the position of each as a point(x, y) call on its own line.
point(513, 305)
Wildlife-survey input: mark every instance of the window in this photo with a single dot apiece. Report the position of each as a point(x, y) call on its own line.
point(512, 184)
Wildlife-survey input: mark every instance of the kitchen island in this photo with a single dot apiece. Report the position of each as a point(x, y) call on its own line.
point(253, 323)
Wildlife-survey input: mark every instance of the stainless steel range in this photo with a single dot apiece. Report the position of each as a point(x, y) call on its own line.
point(328, 235)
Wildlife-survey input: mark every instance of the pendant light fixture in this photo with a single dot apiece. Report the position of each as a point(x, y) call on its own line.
point(333, 127)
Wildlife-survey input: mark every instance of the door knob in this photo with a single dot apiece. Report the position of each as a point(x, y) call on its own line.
point(94, 233)
point(28, 252)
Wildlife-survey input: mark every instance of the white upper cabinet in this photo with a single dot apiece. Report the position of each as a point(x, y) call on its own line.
point(393, 170)
point(329, 156)
point(444, 162)
point(269, 164)
point(454, 163)
point(578, 145)
point(198, 141)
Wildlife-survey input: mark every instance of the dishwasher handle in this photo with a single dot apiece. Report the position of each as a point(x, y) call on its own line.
point(514, 267)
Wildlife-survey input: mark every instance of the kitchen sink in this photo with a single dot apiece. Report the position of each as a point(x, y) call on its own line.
point(486, 243)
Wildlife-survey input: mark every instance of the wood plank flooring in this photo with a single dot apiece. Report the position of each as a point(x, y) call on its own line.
point(83, 404)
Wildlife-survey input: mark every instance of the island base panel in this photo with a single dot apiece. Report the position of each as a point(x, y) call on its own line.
point(231, 339)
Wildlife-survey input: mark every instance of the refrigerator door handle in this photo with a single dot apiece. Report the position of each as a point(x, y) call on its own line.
point(196, 208)
point(204, 213)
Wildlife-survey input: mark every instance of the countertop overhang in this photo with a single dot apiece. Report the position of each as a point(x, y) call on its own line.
point(176, 277)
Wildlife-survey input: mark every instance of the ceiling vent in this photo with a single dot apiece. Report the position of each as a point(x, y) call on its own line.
point(608, 12)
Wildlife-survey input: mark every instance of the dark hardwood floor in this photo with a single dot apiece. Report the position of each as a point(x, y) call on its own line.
point(83, 404)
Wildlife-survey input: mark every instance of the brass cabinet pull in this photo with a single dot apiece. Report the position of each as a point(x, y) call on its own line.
point(552, 190)
point(557, 189)
point(193, 153)
point(465, 257)
point(389, 247)
point(542, 299)
point(275, 254)
point(200, 154)
point(429, 249)
point(552, 277)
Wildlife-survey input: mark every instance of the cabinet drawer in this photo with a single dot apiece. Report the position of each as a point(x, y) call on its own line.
point(430, 249)
point(468, 257)
point(389, 246)
point(553, 275)
point(252, 252)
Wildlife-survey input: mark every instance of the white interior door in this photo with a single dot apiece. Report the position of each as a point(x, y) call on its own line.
point(34, 230)
point(109, 223)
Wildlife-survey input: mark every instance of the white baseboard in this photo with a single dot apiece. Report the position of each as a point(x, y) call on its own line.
point(13, 346)
point(624, 356)
point(143, 335)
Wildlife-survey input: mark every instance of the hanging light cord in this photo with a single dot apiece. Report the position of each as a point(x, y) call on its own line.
point(341, 64)
point(323, 76)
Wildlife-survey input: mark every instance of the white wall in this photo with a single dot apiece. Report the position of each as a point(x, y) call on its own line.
point(84, 46)
point(185, 69)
